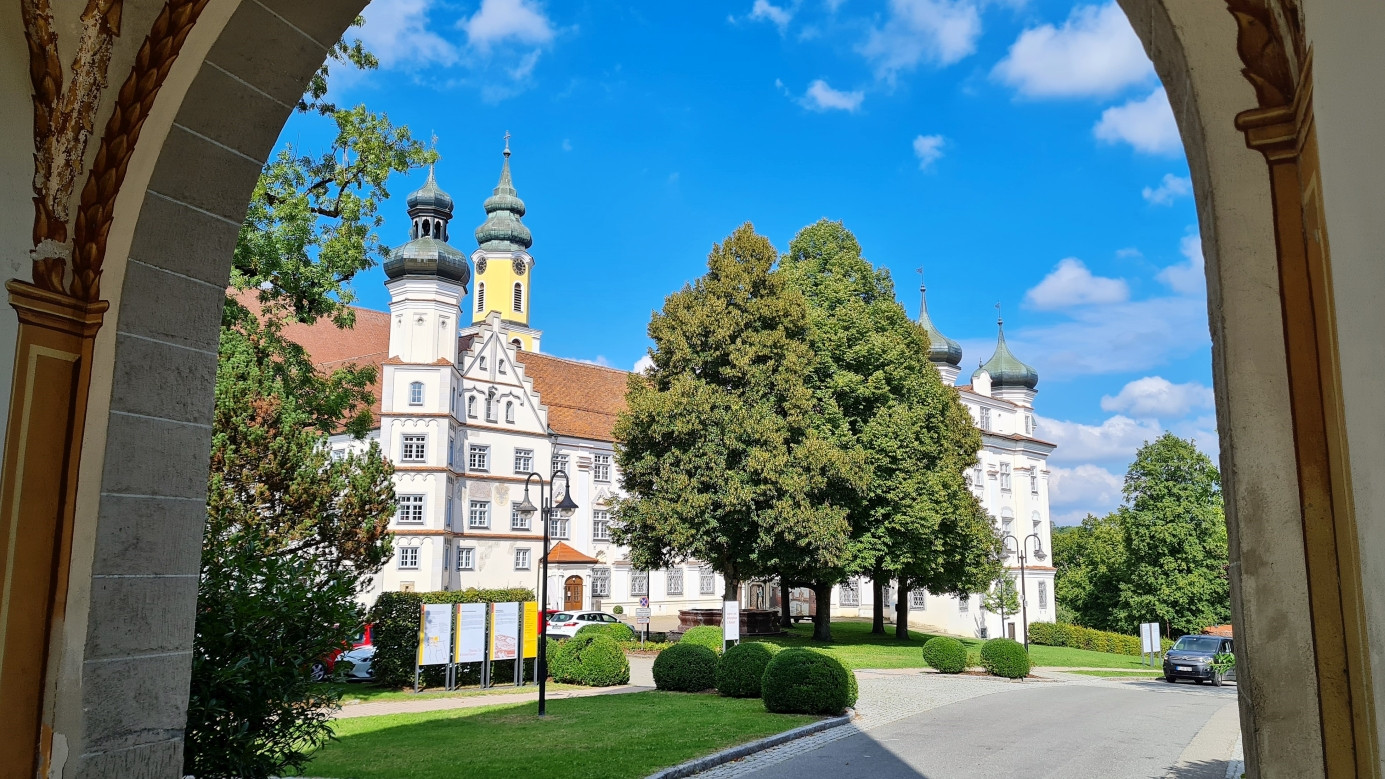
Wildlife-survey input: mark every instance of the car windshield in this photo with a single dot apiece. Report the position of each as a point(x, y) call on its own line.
point(1198, 643)
point(561, 616)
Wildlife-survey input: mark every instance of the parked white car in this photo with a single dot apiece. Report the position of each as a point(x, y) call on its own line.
point(360, 659)
point(565, 624)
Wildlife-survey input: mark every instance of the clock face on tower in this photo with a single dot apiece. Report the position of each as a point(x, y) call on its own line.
point(480, 266)
point(519, 266)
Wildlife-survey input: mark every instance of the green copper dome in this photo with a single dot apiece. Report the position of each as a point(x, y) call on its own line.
point(941, 348)
point(429, 253)
point(502, 231)
point(1005, 369)
point(430, 197)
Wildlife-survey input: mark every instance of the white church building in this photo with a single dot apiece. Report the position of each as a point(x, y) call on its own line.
point(467, 408)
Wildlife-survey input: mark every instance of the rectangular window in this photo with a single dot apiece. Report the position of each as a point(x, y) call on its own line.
point(480, 514)
point(524, 461)
point(521, 559)
point(674, 581)
point(707, 580)
point(601, 525)
point(601, 467)
point(560, 463)
point(416, 394)
point(451, 450)
point(408, 557)
point(448, 519)
point(964, 604)
point(978, 479)
point(415, 448)
point(1034, 480)
point(478, 458)
point(639, 583)
point(471, 406)
point(466, 558)
point(918, 599)
point(446, 557)
point(517, 519)
point(1043, 595)
point(1005, 476)
point(848, 594)
point(410, 508)
point(985, 418)
point(558, 527)
point(490, 409)
point(601, 582)
point(1029, 424)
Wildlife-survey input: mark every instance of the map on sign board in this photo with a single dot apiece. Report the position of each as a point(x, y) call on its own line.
point(504, 631)
point(436, 645)
point(471, 633)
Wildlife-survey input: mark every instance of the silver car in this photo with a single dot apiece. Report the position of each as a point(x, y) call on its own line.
point(565, 624)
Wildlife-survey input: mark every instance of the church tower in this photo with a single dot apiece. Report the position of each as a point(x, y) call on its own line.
point(426, 279)
point(1005, 376)
point(504, 267)
point(943, 352)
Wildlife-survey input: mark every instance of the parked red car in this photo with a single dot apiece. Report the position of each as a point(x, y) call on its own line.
point(323, 668)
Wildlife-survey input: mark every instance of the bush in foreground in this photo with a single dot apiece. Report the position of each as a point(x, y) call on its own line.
point(616, 630)
point(946, 655)
point(685, 668)
point(601, 664)
point(1005, 657)
point(802, 681)
point(742, 667)
point(709, 636)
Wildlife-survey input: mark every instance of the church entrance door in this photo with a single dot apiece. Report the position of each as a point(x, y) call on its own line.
point(572, 593)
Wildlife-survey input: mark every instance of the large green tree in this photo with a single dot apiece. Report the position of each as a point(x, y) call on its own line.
point(912, 518)
point(727, 455)
point(1091, 564)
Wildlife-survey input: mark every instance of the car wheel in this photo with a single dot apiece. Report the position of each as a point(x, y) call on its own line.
point(1199, 681)
point(319, 672)
point(1216, 678)
point(1169, 678)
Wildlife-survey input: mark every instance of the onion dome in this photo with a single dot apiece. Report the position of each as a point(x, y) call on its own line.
point(502, 231)
point(941, 349)
point(429, 253)
point(1006, 369)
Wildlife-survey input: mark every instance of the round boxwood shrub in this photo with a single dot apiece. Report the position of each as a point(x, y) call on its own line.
point(685, 668)
point(742, 667)
point(1005, 657)
point(617, 609)
point(616, 630)
point(709, 636)
point(562, 659)
point(601, 664)
point(802, 681)
point(947, 655)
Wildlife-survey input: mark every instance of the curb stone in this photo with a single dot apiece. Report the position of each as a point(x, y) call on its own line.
point(736, 753)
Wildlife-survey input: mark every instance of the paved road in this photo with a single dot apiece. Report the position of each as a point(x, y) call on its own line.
point(1074, 728)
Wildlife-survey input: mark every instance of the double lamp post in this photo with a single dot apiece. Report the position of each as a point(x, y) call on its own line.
point(1020, 547)
point(564, 508)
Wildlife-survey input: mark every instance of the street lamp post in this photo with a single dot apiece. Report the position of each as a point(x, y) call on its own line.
point(527, 509)
point(1020, 546)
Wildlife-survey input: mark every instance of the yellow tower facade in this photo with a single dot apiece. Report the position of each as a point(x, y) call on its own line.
point(504, 266)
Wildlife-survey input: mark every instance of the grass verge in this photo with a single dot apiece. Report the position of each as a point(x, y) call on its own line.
point(613, 736)
point(366, 692)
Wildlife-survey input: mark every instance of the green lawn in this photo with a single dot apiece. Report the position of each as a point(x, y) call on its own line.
point(366, 692)
point(854, 644)
point(614, 736)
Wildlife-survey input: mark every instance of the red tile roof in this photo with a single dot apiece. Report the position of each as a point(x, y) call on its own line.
point(562, 553)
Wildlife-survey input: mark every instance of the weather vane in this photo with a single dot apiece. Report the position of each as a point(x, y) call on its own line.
point(998, 318)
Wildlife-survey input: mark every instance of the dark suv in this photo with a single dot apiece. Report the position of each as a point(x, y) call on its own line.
point(1191, 658)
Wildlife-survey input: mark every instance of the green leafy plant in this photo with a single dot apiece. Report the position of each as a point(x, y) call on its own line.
point(1005, 657)
point(804, 681)
point(947, 655)
point(709, 636)
point(742, 668)
point(686, 668)
point(617, 609)
point(592, 659)
point(616, 630)
point(1224, 662)
point(396, 616)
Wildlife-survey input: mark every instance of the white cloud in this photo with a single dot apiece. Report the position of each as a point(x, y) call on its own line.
point(1071, 284)
point(1094, 53)
point(525, 66)
point(600, 360)
point(916, 31)
point(1146, 124)
point(1155, 396)
point(643, 364)
point(767, 11)
point(1085, 489)
point(398, 32)
point(1190, 276)
point(497, 21)
point(1113, 441)
point(1169, 190)
point(821, 97)
point(567, 144)
point(928, 149)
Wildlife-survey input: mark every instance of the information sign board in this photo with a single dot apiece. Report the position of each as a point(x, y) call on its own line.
point(641, 616)
point(435, 646)
point(531, 629)
point(1149, 638)
point(471, 633)
point(731, 620)
point(504, 631)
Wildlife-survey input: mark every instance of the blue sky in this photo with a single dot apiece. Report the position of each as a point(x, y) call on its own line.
point(1021, 152)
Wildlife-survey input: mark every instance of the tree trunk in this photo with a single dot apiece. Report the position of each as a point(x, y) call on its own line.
point(901, 612)
point(822, 615)
point(877, 624)
point(785, 612)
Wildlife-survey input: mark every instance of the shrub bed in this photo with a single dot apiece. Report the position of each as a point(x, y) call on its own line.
point(396, 616)
point(1005, 657)
point(709, 636)
point(1078, 637)
point(686, 668)
point(742, 667)
point(592, 659)
point(616, 630)
point(802, 681)
point(946, 655)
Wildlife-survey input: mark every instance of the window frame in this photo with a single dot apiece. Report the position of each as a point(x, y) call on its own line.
point(1003, 472)
point(409, 553)
point(484, 507)
point(517, 519)
point(849, 586)
point(480, 296)
point(706, 580)
point(524, 461)
point(1043, 595)
point(918, 599)
point(413, 441)
point(601, 582)
point(484, 450)
point(674, 575)
point(416, 505)
point(560, 527)
point(602, 465)
point(471, 407)
point(527, 557)
point(470, 553)
point(519, 297)
point(640, 578)
point(415, 393)
point(601, 521)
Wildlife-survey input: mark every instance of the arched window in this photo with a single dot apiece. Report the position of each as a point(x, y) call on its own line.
point(519, 296)
point(490, 407)
point(416, 394)
point(427, 226)
point(415, 235)
point(481, 297)
point(1007, 522)
point(510, 411)
point(517, 343)
point(471, 406)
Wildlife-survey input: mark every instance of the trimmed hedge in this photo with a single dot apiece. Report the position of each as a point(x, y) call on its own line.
point(709, 636)
point(686, 668)
point(395, 616)
point(1078, 637)
point(947, 655)
point(802, 681)
point(742, 667)
point(618, 631)
point(1005, 657)
point(593, 659)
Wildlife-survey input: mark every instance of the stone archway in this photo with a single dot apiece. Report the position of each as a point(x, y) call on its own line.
point(198, 92)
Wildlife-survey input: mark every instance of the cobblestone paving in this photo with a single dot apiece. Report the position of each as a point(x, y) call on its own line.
point(885, 696)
